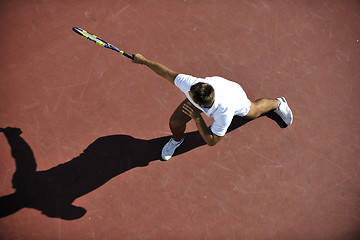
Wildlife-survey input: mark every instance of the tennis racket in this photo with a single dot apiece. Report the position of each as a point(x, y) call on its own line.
point(100, 42)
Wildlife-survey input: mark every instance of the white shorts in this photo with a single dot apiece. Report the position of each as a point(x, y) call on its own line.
point(245, 104)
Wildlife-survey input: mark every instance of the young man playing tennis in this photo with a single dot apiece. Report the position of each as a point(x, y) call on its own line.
point(218, 98)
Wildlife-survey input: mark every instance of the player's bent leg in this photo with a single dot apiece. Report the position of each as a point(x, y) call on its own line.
point(177, 125)
point(261, 106)
point(178, 121)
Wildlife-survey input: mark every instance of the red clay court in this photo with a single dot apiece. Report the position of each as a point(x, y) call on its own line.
point(96, 122)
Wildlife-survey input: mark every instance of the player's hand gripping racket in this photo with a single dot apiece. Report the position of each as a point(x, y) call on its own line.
point(101, 42)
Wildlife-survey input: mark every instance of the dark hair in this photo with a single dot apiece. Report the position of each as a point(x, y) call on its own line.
point(203, 93)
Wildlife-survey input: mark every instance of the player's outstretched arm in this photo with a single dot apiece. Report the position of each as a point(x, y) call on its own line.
point(158, 68)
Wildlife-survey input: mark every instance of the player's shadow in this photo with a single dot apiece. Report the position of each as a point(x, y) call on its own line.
point(52, 191)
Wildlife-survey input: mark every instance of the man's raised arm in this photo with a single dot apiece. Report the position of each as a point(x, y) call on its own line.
point(158, 68)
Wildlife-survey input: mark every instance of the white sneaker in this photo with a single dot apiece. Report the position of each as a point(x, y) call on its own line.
point(169, 148)
point(284, 111)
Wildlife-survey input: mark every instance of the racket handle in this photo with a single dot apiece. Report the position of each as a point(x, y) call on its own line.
point(128, 55)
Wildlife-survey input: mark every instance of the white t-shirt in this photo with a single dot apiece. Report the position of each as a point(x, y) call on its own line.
point(230, 100)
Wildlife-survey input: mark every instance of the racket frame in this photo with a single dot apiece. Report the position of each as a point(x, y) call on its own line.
point(99, 41)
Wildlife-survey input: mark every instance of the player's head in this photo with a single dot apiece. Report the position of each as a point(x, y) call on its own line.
point(203, 94)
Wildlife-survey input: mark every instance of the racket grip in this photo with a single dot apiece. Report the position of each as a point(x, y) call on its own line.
point(128, 55)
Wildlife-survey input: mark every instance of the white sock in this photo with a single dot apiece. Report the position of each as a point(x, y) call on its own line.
point(178, 142)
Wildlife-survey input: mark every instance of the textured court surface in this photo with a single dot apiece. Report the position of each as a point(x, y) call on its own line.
point(260, 182)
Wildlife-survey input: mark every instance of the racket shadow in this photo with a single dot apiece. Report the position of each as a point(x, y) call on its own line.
point(53, 191)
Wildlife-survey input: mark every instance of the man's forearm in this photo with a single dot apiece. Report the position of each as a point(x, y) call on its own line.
point(160, 69)
point(205, 132)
